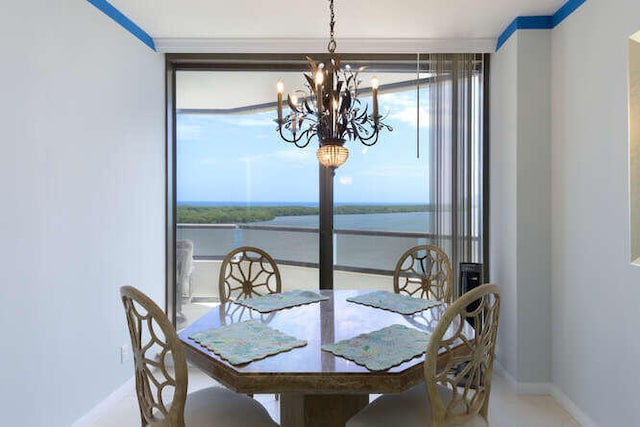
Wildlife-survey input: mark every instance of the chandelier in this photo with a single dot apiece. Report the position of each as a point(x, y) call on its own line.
point(329, 109)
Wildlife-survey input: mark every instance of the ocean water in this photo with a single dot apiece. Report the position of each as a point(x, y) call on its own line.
point(249, 204)
point(418, 222)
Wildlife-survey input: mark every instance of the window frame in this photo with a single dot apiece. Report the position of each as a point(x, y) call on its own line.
point(175, 62)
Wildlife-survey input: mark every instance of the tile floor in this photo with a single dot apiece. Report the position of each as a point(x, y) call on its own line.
point(506, 408)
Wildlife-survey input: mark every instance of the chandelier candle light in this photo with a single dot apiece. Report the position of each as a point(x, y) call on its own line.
point(330, 110)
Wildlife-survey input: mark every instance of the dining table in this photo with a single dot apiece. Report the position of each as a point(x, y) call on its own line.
point(315, 386)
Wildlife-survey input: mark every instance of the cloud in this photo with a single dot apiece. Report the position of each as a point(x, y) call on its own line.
point(409, 115)
point(207, 161)
point(403, 99)
point(293, 155)
point(398, 170)
point(346, 180)
point(402, 108)
point(189, 132)
point(252, 120)
point(290, 156)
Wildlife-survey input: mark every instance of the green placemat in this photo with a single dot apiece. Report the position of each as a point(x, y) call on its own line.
point(382, 349)
point(403, 304)
point(273, 302)
point(246, 341)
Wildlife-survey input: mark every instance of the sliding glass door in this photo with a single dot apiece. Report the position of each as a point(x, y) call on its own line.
point(234, 182)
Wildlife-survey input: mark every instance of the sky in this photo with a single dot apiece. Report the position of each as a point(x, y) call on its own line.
point(242, 159)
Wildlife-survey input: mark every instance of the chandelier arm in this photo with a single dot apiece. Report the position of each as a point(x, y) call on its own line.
point(366, 134)
point(296, 137)
point(362, 117)
point(308, 134)
point(366, 140)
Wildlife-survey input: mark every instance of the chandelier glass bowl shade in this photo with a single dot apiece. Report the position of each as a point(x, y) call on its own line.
point(329, 109)
point(332, 155)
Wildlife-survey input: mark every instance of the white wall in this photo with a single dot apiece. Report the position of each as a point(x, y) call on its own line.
point(503, 207)
point(520, 205)
point(534, 200)
point(595, 288)
point(634, 145)
point(82, 188)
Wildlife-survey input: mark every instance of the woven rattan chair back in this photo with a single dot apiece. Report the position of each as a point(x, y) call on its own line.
point(160, 364)
point(247, 272)
point(466, 356)
point(423, 271)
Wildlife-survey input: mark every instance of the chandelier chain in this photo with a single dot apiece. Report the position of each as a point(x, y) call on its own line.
point(332, 41)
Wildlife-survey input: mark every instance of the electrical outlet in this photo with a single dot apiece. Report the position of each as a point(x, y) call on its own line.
point(124, 353)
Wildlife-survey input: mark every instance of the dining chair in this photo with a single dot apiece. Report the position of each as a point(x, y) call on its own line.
point(161, 376)
point(423, 271)
point(247, 272)
point(449, 396)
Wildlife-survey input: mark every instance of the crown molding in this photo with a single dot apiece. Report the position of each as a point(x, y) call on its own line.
point(319, 45)
point(105, 7)
point(538, 22)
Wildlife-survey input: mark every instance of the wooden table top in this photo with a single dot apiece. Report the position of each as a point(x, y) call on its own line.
point(308, 369)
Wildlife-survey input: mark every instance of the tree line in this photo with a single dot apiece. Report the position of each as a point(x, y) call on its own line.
point(241, 214)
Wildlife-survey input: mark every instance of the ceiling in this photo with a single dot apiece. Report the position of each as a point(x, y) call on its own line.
point(172, 21)
point(364, 26)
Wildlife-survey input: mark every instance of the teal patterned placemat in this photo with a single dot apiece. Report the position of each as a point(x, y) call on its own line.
point(273, 302)
point(403, 304)
point(382, 349)
point(246, 341)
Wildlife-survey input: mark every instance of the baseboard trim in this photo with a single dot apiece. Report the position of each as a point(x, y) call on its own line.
point(545, 389)
point(538, 389)
point(102, 408)
point(500, 370)
point(569, 406)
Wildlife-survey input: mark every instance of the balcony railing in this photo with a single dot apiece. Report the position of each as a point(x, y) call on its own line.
point(366, 251)
point(363, 259)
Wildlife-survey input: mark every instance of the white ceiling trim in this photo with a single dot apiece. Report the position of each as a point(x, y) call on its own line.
point(319, 45)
